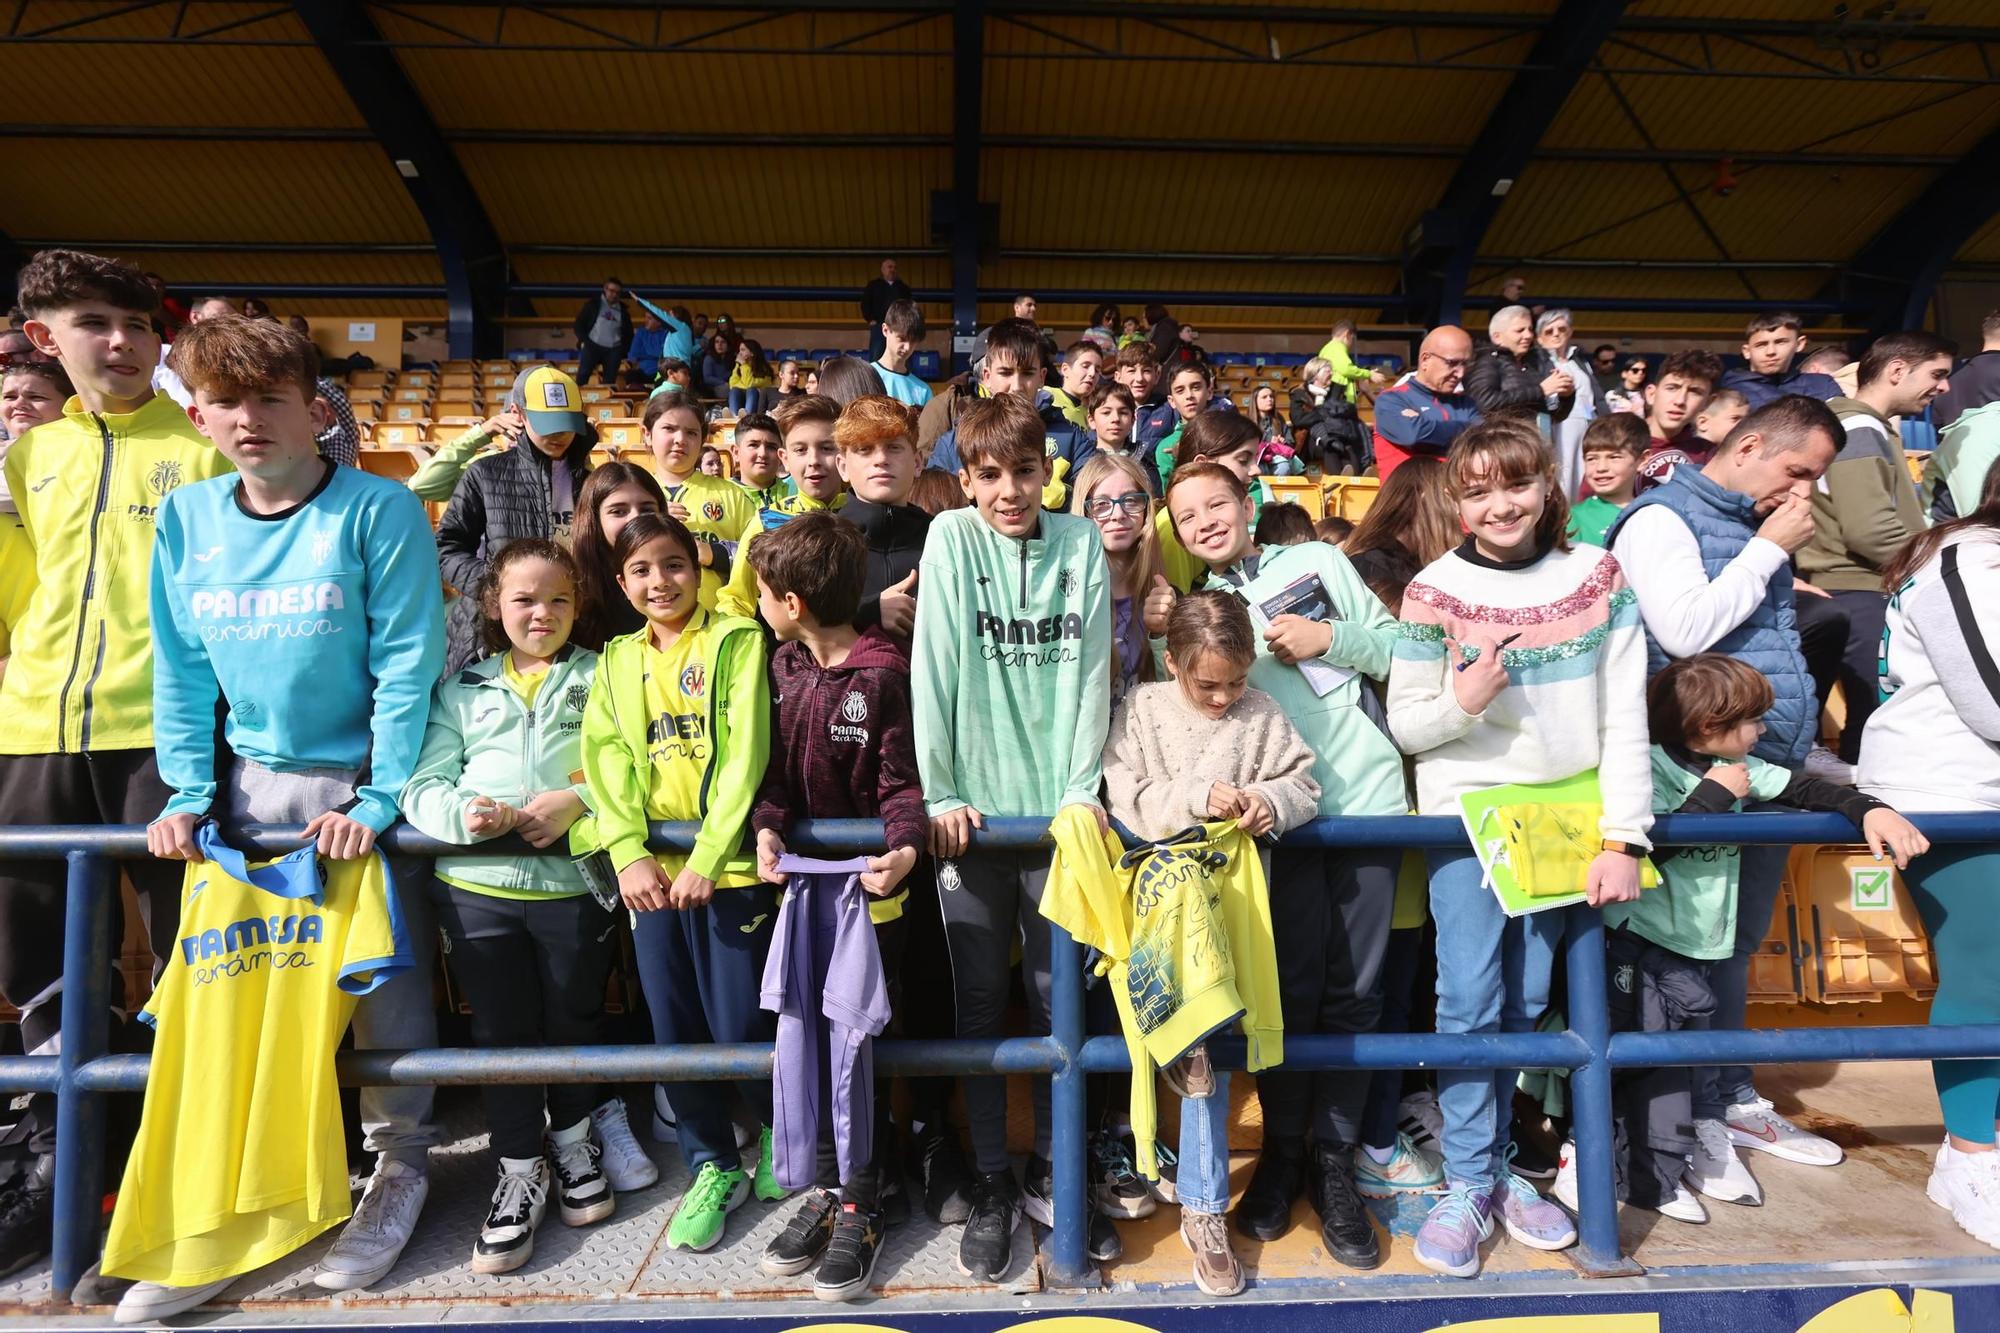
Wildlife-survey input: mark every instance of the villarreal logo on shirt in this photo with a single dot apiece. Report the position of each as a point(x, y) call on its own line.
point(712, 510)
point(694, 680)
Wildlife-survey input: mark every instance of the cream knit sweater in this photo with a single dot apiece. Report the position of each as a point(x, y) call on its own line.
point(1164, 756)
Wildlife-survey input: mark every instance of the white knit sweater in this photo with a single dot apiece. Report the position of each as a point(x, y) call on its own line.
point(1576, 693)
point(1164, 755)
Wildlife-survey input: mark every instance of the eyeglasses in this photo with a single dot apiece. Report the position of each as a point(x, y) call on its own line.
point(1104, 506)
point(1451, 362)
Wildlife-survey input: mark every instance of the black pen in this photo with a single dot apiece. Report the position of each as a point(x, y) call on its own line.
point(1496, 647)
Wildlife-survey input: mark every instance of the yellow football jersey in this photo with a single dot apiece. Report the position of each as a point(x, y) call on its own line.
point(241, 1157)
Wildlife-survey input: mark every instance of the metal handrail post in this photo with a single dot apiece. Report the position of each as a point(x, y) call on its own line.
point(86, 1023)
point(1067, 1263)
point(1598, 1252)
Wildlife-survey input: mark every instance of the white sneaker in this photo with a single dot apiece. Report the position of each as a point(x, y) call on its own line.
point(150, 1302)
point(666, 1129)
point(1717, 1171)
point(507, 1237)
point(1827, 766)
point(1419, 1117)
point(1564, 1189)
point(1755, 1125)
point(375, 1236)
point(581, 1189)
point(625, 1163)
point(1967, 1184)
point(1684, 1207)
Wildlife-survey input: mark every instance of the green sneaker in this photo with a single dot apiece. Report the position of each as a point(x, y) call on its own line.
point(768, 1188)
point(715, 1194)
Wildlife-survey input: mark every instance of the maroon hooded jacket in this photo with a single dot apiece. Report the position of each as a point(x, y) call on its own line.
point(843, 747)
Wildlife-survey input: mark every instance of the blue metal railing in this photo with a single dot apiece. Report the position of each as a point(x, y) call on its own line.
point(83, 1073)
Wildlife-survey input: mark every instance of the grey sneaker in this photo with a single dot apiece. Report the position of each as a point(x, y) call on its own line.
point(375, 1236)
point(624, 1162)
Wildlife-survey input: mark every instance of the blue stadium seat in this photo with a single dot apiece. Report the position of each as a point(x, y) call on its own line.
point(819, 354)
point(926, 365)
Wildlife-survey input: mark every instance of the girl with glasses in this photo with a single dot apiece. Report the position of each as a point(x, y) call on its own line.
point(1111, 492)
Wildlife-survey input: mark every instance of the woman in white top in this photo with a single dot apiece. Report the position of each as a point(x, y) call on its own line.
point(1934, 744)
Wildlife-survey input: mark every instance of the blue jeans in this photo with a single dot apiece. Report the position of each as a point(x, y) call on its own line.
point(1203, 1180)
point(1761, 875)
point(742, 401)
point(1493, 976)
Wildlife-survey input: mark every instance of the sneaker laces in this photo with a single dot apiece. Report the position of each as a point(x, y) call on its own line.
point(1208, 1230)
point(1761, 1109)
point(382, 1198)
point(614, 1130)
point(1713, 1136)
point(850, 1224)
point(1459, 1207)
point(1519, 1190)
point(1113, 1160)
point(577, 1160)
point(519, 1193)
point(709, 1191)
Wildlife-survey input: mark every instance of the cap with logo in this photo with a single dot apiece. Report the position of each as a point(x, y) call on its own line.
point(550, 400)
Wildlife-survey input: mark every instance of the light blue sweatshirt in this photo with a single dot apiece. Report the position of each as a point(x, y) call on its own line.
point(322, 629)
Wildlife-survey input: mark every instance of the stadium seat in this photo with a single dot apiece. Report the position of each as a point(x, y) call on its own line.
point(926, 365)
point(395, 464)
point(401, 433)
point(616, 435)
point(457, 407)
point(605, 409)
point(595, 393)
point(500, 367)
point(401, 411)
point(417, 379)
point(370, 379)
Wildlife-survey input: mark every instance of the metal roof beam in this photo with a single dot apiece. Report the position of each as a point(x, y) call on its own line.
point(963, 218)
point(1891, 278)
point(1446, 239)
point(468, 246)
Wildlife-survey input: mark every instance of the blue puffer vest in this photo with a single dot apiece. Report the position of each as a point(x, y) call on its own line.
point(1723, 522)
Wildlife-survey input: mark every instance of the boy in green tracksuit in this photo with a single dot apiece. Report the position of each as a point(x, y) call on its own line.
point(1010, 687)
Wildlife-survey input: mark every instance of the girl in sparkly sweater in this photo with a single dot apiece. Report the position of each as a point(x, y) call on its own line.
point(1520, 661)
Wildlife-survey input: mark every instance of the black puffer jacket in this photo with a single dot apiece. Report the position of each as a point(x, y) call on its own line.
point(501, 497)
point(1503, 386)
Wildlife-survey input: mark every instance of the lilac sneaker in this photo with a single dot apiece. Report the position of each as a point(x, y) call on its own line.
point(1449, 1240)
point(1528, 1217)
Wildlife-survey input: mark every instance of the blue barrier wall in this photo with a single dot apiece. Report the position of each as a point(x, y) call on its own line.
point(83, 1073)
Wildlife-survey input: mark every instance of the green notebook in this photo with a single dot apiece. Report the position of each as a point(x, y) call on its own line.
point(1535, 841)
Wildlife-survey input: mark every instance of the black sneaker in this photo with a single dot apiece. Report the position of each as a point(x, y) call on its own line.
point(1105, 1242)
point(27, 1212)
point(1344, 1225)
point(988, 1243)
point(947, 1182)
point(850, 1255)
point(893, 1199)
point(1265, 1211)
point(1115, 1186)
point(507, 1237)
point(582, 1192)
point(1038, 1191)
point(1531, 1162)
point(804, 1237)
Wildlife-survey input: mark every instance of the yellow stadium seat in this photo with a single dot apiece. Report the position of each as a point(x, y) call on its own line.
point(605, 409)
point(1302, 491)
point(419, 410)
point(595, 393)
point(421, 395)
point(617, 434)
point(417, 379)
point(639, 458)
point(370, 379)
point(445, 427)
point(401, 433)
point(458, 379)
point(363, 411)
point(501, 382)
point(1858, 927)
point(501, 367)
point(1350, 497)
point(465, 366)
point(456, 407)
point(395, 464)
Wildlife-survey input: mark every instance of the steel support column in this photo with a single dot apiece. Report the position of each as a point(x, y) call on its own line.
point(965, 218)
point(1891, 278)
point(468, 246)
point(1440, 254)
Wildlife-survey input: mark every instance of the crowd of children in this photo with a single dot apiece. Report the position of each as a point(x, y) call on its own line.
point(1104, 616)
